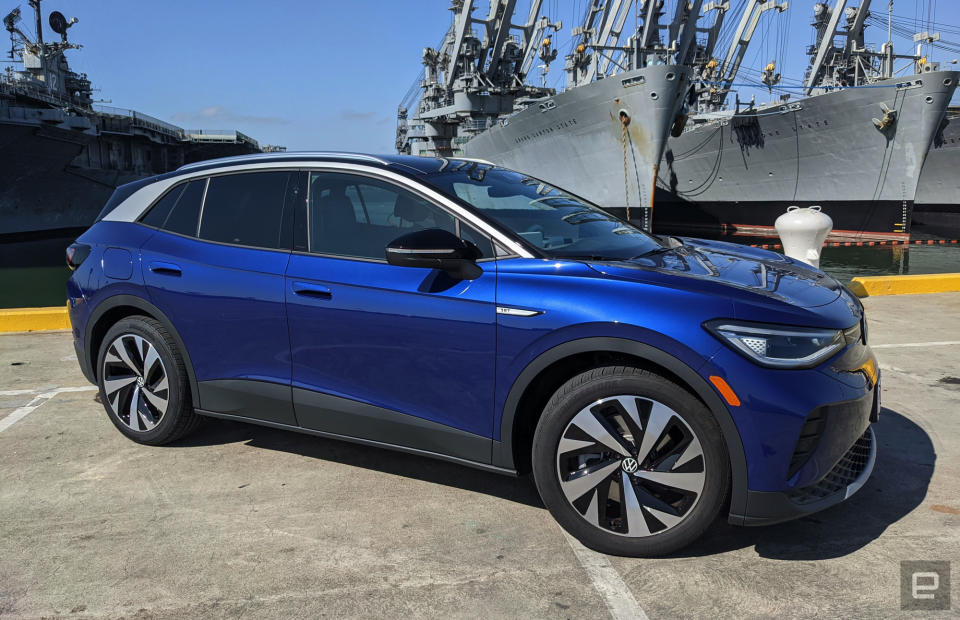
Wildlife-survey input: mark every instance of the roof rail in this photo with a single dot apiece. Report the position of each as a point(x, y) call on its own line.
point(475, 160)
point(286, 155)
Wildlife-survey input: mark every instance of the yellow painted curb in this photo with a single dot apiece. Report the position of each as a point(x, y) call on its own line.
point(34, 319)
point(906, 285)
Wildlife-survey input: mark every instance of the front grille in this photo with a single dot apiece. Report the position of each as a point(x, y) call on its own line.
point(848, 469)
point(808, 439)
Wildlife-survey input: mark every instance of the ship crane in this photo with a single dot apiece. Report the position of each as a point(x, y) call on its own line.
point(852, 64)
point(647, 46)
point(717, 76)
point(471, 81)
point(598, 53)
point(600, 30)
point(741, 41)
point(705, 56)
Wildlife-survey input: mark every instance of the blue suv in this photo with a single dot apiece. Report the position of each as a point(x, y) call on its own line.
point(458, 310)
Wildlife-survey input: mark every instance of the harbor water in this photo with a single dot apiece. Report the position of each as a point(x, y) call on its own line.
point(33, 273)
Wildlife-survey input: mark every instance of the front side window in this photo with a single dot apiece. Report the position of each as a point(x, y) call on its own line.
point(357, 216)
point(247, 209)
point(556, 223)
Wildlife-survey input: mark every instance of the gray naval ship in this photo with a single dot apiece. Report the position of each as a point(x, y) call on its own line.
point(937, 206)
point(855, 144)
point(600, 138)
point(61, 155)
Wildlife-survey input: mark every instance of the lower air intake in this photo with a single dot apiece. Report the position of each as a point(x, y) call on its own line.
point(848, 469)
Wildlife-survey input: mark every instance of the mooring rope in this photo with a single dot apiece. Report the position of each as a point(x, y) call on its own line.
point(626, 179)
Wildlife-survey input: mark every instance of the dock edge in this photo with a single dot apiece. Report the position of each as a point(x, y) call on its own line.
point(34, 319)
point(905, 285)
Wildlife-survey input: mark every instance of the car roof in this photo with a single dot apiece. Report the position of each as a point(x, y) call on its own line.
point(412, 163)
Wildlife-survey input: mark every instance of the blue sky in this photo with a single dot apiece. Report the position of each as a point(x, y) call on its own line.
point(322, 74)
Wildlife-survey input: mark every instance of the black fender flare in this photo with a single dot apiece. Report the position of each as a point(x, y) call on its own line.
point(503, 452)
point(140, 303)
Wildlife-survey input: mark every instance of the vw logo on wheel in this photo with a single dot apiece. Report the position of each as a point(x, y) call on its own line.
point(630, 465)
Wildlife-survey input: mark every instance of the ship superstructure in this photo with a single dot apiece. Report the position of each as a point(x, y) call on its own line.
point(62, 154)
point(601, 137)
point(855, 143)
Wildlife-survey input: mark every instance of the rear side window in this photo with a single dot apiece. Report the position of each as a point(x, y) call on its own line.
point(246, 209)
point(158, 213)
point(183, 218)
point(178, 210)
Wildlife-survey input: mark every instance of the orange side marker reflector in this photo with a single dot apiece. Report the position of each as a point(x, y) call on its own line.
point(725, 390)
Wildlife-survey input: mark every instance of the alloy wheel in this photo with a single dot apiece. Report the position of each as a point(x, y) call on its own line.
point(630, 466)
point(135, 382)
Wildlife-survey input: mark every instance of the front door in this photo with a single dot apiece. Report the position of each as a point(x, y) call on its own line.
point(388, 354)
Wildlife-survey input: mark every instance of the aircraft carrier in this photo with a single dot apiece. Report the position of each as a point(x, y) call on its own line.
point(855, 144)
point(600, 138)
point(62, 155)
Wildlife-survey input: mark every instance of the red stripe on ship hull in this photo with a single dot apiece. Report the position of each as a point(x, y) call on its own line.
point(753, 230)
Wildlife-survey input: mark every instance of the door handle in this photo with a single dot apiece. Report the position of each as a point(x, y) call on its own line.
point(312, 290)
point(165, 269)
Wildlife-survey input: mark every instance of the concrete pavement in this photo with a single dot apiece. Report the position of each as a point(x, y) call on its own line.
point(241, 520)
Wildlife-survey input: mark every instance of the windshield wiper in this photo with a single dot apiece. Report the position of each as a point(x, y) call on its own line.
point(650, 253)
point(586, 257)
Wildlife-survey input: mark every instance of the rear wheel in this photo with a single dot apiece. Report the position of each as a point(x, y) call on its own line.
point(143, 382)
point(629, 462)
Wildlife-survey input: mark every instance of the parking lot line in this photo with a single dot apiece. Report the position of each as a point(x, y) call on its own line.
point(607, 581)
point(78, 388)
point(941, 343)
point(16, 392)
point(40, 398)
point(22, 412)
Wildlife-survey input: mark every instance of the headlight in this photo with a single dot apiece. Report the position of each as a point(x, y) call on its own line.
point(779, 346)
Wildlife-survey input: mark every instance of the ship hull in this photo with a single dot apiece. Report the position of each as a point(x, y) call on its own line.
point(54, 179)
point(737, 175)
point(937, 207)
point(577, 140)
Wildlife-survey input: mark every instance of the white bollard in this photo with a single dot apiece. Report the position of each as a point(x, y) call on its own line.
point(802, 232)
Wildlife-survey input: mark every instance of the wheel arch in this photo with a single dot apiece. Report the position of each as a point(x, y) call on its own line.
point(537, 382)
point(117, 307)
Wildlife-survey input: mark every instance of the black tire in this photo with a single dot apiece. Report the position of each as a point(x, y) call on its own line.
point(599, 394)
point(177, 418)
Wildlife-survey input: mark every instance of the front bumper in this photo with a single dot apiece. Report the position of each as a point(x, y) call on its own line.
point(846, 478)
point(805, 433)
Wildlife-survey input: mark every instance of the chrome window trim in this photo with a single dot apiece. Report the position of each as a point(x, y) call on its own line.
point(253, 157)
point(363, 259)
point(136, 205)
point(203, 204)
point(434, 251)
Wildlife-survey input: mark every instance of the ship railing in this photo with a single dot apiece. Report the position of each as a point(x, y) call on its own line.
point(228, 136)
point(30, 90)
point(144, 121)
point(475, 124)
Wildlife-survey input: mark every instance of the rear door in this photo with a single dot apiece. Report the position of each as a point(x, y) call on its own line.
point(391, 354)
point(215, 268)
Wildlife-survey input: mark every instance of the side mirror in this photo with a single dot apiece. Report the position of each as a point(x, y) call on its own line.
point(434, 248)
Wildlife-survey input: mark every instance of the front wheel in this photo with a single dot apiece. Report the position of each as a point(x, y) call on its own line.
point(629, 462)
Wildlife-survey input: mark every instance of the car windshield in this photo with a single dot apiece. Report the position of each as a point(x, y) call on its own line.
point(558, 224)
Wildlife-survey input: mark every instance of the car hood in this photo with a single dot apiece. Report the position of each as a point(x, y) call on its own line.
point(748, 269)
